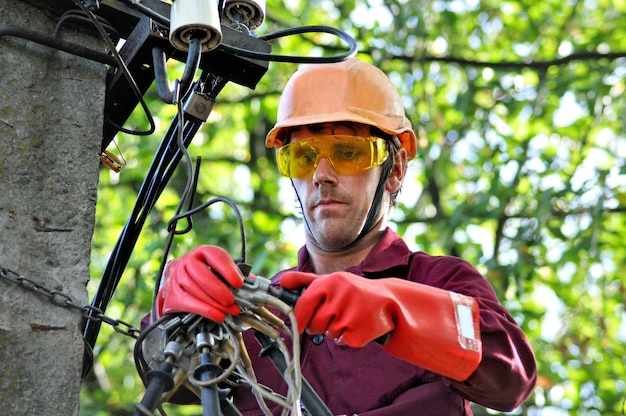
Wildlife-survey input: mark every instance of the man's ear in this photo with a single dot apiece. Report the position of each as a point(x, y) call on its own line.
point(396, 176)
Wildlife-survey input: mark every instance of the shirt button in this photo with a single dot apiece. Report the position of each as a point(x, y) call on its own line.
point(318, 339)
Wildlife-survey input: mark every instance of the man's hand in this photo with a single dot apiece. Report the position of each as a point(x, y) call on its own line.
point(349, 308)
point(201, 282)
point(430, 327)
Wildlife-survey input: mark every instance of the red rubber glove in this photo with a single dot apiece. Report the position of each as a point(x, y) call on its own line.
point(429, 327)
point(201, 282)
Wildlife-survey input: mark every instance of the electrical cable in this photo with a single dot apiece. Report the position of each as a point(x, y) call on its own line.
point(188, 195)
point(146, 11)
point(224, 341)
point(352, 46)
point(164, 164)
point(127, 74)
point(75, 16)
point(171, 150)
point(171, 227)
point(182, 86)
point(137, 354)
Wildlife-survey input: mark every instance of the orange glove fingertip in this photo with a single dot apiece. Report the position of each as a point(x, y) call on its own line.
point(293, 280)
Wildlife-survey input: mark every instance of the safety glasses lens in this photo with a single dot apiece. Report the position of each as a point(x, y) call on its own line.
point(346, 154)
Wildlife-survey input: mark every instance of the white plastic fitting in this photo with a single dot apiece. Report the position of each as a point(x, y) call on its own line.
point(248, 12)
point(189, 18)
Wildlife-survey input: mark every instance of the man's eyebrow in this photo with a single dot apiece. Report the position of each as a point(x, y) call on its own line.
point(345, 124)
point(350, 125)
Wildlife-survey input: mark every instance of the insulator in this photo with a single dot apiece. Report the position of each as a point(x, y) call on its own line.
point(251, 13)
point(194, 18)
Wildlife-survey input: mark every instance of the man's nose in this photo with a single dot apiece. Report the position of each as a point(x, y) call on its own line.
point(324, 172)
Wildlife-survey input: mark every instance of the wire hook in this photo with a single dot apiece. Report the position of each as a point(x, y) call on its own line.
point(182, 86)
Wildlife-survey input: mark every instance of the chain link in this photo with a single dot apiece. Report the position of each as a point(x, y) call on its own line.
point(61, 299)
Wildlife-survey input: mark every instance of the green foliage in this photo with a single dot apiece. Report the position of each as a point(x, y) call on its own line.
point(520, 171)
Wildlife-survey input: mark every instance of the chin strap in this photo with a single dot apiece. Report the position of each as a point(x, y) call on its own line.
point(376, 203)
point(375, 208)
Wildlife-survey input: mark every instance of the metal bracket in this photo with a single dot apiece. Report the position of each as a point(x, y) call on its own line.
point(141, 33)
point(137, 54)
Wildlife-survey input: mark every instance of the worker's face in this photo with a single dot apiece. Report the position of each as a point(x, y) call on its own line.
point(335, 205)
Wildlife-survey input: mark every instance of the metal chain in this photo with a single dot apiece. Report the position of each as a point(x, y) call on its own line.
point(63, 300)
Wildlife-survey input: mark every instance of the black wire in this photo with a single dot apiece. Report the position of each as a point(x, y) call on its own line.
point(164, 164)
point(137, 350)
point(122, 66)
point(146, 11)
point(171, 151)
point(182, 86)
point(171, 226)
point(172, 223)
point(188, 194)
point(190, 197)
point(352, 51)
point(75, 16)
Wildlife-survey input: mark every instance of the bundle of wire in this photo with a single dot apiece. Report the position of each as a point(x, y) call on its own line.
point(227, 345)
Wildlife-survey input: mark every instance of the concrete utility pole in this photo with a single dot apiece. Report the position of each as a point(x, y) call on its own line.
point(51, 106)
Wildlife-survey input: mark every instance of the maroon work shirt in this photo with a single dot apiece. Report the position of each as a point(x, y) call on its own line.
point(369, 381)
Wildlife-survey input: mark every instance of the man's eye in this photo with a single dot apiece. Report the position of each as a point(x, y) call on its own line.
point(306, 156)
point(347, 152)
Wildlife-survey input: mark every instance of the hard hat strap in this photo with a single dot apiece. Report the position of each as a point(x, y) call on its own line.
point(376, 202)
point(374, 210)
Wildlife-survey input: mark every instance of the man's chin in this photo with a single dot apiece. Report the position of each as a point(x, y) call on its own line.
point(333, 241)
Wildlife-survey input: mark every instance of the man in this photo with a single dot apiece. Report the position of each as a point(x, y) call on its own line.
point(386, 331)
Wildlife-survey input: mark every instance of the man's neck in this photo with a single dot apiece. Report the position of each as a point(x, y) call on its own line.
point(325, 262)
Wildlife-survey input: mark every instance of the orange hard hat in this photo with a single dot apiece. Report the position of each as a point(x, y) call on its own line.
point(349, 90)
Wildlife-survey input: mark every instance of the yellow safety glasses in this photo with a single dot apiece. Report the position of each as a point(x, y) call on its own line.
point(347, 154)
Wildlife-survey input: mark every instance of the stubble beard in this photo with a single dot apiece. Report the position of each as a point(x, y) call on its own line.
point(333, 234)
